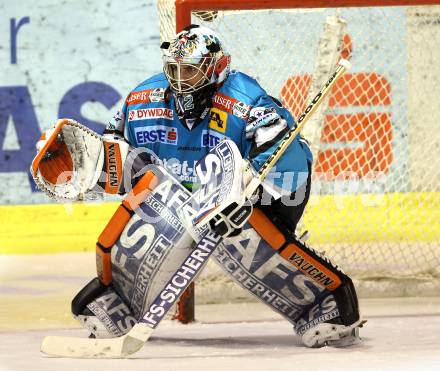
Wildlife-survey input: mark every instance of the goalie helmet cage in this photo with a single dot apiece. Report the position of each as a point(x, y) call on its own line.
point(375, 200)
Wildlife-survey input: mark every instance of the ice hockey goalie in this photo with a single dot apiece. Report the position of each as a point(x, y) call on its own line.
point(160, 150)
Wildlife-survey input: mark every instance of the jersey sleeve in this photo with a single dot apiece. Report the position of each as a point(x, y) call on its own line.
point(117, 124)
point(267, 124)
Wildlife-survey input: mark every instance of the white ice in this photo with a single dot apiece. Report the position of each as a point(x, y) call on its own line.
point(399, 342)
point(401, 334)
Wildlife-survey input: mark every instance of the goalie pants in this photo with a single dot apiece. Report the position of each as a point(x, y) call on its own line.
point(286, 213)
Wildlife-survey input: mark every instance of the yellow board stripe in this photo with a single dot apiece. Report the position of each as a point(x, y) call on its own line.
point(369, 218)
point(36, 229)
point(411, 217)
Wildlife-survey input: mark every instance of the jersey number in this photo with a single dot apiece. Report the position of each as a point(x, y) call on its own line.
point(188, 102)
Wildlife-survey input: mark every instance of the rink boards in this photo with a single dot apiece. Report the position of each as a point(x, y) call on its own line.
point(362, 219)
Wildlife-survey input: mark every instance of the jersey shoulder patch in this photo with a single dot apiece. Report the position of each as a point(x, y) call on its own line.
point(151, 90)
point(231, 105)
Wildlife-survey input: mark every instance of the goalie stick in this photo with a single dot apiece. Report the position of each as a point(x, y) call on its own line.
point(134, 340)
point(131, 342)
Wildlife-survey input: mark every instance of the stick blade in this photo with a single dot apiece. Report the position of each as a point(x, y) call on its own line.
point(120, 347)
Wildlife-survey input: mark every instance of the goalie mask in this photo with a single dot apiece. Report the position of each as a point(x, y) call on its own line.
point(195, 64)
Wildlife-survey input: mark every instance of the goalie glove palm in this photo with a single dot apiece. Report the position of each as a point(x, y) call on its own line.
point(71, 158)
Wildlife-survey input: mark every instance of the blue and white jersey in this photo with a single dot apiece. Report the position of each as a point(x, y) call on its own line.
point(241, 111)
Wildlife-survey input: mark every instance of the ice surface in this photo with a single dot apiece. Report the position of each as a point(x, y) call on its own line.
point(401, 333)
point(389, 343)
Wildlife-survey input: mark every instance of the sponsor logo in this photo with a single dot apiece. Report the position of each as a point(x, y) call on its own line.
point(181, 279)
point(216, 173)
point(210, 139)
point(223, 102)
point(157, 95)
point(258, 112)
point(146, 96)
point(182, 169)
point(156, 134)
point(321, 312)
point(310, 269)
point(148, 270)
point(138, 97)
point(110, 126)
point(164, 212)
point(225, 153)
point(117, 121)
point(150, 113)
point(262, 117)
point(263, 288)
point(218, 120)
point(272, 277)
point(241, 110)
point(112, 165)
point(113, 313)
point(231, 105)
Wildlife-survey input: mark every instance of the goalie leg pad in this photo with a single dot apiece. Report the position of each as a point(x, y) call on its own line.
point(323, 271)
point(145, 254)
point(99, 309)
point(112, 316)
point(87, 294)
point(290, 277)
point(314, 265)
point(257, 267)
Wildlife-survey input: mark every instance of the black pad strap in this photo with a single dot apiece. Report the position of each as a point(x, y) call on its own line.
point(90, 292)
